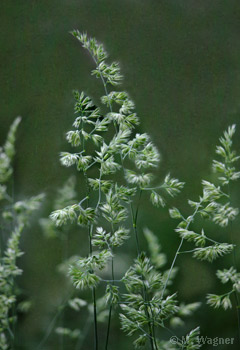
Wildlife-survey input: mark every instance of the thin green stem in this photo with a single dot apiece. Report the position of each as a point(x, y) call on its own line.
point(90, 229)
point(144, 332)
point(134, 221)
point(172, 333)
point(113, 281)
point(228, 293)
point(95, 318)
point(110, 307)
point(235, 266)
point(150, 327)
point(151, 188)
point(137, 209)
point(83, 334)
point(178, 250)
point(135, 230)
point(144, 291)
point(10, 332)
point(52, 323)
point(154, 336)
point(108, 326)
point(64, 243)
point(193, 250)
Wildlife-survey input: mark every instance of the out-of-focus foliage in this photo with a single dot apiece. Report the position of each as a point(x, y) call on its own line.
point(14, 217)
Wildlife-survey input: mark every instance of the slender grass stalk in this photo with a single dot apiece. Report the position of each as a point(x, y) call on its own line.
point(237, 301)
point(95, 319)
point(90, 228)
point(108, 326)
point(111, 306)
point(52, 323)
point(82, 336)
point(152, 337)
point(134, 221)
point(178, 250)
point(99, 200)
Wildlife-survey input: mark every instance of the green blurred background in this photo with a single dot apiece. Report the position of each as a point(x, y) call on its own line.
point(181, 62)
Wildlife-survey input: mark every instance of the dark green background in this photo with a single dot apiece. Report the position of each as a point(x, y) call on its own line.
point(181, 62)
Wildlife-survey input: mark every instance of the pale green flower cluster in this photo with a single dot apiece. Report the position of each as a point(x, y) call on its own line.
point(215, 204)
point(107, 144)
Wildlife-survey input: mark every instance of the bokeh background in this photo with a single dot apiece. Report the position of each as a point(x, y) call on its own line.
point(181, 62)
